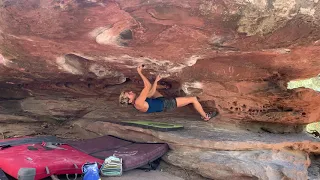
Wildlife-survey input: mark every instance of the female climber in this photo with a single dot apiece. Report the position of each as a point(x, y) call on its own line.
point(150, 100)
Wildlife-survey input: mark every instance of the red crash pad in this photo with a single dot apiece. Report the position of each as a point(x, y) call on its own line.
point(34, 161)
point(27, 158)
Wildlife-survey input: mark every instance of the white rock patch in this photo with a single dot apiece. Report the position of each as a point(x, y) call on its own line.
point(161, 66)
point(74, 68)
point(192, 60)
point(164, 67)
point(94, 33)
point(102, 72)
point(186, 85)
point(307, 11)
point(106, 37)
point(5, 61)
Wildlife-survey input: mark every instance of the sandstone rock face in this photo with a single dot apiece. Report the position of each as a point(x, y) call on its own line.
point(242, 165)
point(236, 56)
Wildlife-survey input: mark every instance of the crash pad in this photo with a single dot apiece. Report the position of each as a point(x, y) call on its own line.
point(133, 154)
point(37, 157)
point(31, 159)
point(160, 126)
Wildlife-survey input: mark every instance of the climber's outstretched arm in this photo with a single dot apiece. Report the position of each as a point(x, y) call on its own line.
point(154, 87)
point(140, 101)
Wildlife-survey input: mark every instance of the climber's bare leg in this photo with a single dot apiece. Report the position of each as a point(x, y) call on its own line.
point(183, 101)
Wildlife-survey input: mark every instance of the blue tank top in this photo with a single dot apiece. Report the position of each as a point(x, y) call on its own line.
point(155, 105)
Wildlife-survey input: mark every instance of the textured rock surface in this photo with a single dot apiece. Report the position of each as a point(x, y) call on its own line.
point(243, 165)
point(249, 155)
point(200, 135)
point(236, 56)
point(220, 149)
point(68, 60)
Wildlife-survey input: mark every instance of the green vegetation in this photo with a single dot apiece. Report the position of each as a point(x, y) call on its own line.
point(313, 127)
point(311, 83)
